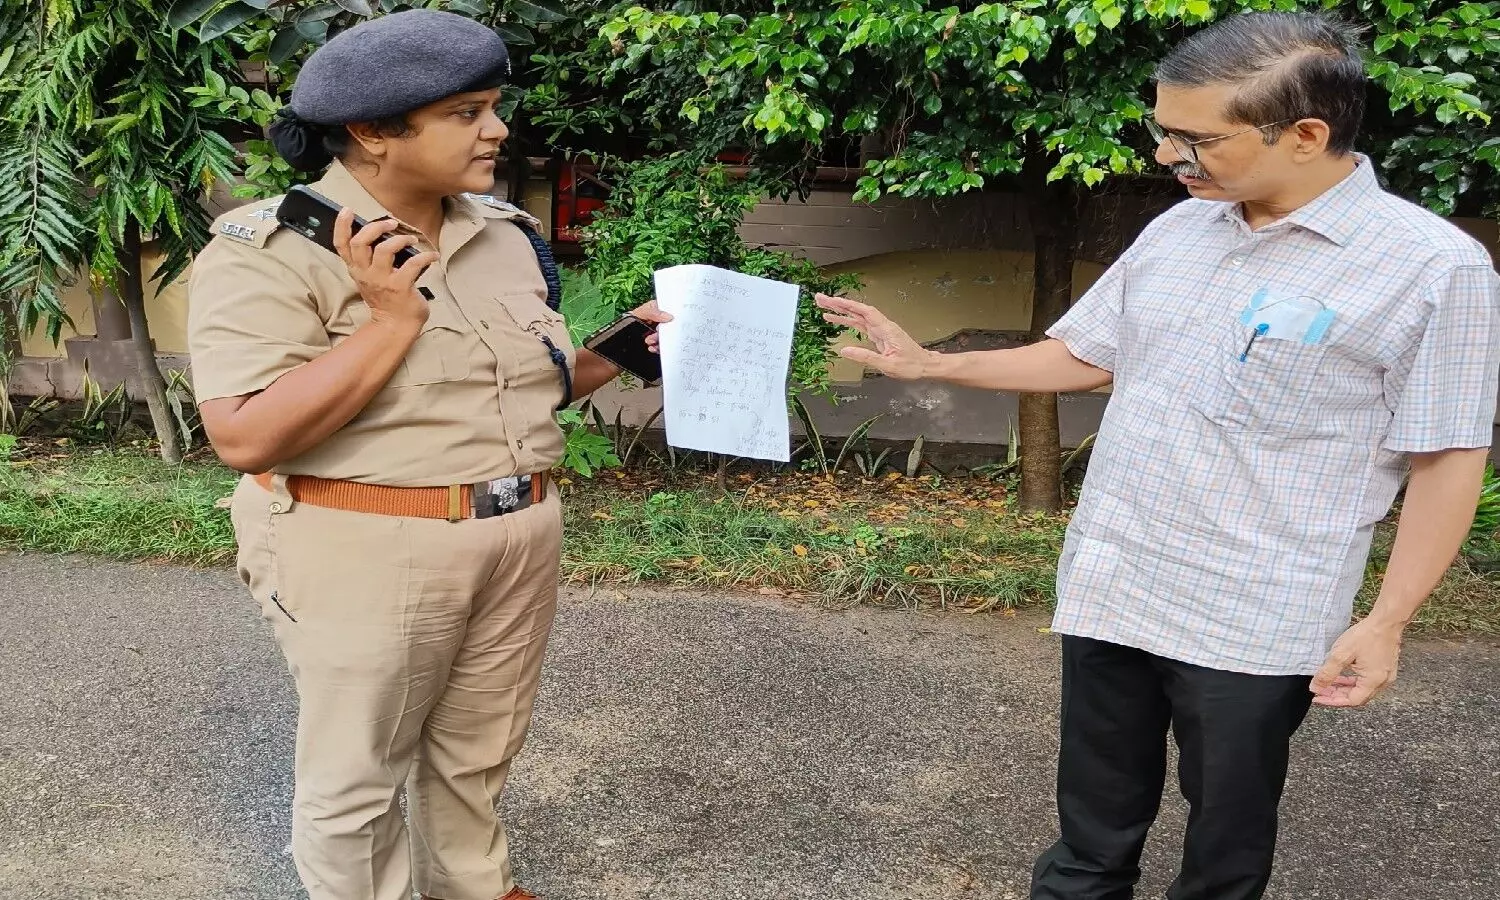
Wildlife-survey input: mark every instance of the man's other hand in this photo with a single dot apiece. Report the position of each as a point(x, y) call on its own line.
point(1361, 664)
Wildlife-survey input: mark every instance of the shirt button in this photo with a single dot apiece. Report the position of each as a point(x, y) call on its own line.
point(1237, 261)
point(519, 444)
point(483, 324)
point(275, 507)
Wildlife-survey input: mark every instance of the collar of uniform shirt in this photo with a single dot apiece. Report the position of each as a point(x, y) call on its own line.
point(1336, 214)
point(460, 219)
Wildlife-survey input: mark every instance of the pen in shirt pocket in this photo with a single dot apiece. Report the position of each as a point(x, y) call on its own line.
point(1260, 329)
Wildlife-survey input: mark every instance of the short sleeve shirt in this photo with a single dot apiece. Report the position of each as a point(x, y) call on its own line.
point(1268, 386)
point(475, 397)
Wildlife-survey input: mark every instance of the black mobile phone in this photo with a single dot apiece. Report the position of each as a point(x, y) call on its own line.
point(312, 215)
point(623, 343)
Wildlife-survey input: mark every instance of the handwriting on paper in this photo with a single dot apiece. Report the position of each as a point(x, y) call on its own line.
point(724, 360)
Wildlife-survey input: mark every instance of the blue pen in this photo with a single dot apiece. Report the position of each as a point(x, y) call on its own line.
point(1260, 329)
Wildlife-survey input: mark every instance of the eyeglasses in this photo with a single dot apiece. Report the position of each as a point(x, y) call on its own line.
point(1187, 149)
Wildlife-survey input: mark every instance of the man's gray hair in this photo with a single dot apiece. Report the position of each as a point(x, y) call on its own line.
point(1287, 66)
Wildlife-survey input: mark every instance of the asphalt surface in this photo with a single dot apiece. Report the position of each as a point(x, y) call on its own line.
point(686, 747)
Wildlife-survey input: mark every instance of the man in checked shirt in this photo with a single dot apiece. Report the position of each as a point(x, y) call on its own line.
point(1283, 347)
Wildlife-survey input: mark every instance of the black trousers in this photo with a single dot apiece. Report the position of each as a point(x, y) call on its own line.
point(1233, 734)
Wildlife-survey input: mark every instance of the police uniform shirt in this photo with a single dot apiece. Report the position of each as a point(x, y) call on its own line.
point(475, 397)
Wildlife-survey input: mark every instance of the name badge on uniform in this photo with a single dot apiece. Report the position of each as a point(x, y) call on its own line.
point(235, 229)
point(1290, 318)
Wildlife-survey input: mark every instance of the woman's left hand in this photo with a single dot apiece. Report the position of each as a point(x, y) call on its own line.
point(648, 312)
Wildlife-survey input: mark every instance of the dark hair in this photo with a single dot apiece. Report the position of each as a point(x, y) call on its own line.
point(339, 142)
point(1288, 66)
point(311, 147)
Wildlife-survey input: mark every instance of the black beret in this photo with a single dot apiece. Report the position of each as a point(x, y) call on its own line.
point(385, 67)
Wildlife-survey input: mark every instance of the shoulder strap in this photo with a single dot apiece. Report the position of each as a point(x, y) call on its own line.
point(548, 266)
point(252, 224)
point(531, 227)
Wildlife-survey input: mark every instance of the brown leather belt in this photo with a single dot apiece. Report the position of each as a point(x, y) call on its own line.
point(453, 502)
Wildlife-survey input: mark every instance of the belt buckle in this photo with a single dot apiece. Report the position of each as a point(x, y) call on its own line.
point(499, 496)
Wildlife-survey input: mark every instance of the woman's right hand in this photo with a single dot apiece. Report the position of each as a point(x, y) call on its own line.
point(390, 292)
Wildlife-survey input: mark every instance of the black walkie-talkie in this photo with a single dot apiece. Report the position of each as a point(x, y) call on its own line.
point(312, 215)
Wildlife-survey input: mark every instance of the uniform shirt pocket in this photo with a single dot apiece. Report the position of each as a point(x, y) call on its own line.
point(440, 353)
point(533, 326)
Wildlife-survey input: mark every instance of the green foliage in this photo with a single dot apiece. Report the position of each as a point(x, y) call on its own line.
point(855, 447)
point(287, 31)
point(584, 451)
point(1487, 514)
point(707, 539)
point(948, 98)
point(584, 306)
point(98, 143)
point(123, 506)
point(677, 210)
point(963, 95)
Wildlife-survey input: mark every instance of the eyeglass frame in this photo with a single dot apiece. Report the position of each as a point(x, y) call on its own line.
point(1187, 149)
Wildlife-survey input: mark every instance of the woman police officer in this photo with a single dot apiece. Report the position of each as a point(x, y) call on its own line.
point(396, 524)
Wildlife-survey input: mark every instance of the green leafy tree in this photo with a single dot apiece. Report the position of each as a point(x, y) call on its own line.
point(1041, 97)
point(99, 147)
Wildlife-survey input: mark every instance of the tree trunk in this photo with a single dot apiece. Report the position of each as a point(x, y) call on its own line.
point(149, 373)
point(1053, 213)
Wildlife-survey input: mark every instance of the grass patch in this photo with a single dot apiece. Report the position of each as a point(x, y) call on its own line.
point(840, 541)
point(1466, 601)
point(117, 505)
point(834, 541)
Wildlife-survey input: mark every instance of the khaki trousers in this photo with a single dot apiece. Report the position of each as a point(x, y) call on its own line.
point(416, 646)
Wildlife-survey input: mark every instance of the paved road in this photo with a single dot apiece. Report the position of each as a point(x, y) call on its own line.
point(686, 748)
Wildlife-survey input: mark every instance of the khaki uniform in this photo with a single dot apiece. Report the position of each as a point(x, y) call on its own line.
point(416, 642)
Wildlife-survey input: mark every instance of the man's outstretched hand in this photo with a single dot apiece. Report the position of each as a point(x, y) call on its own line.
point(895, 353)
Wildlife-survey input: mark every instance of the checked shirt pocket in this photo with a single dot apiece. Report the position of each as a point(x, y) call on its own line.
point(1260, 383)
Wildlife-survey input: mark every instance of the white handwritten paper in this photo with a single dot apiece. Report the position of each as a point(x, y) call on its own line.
point(724, 360)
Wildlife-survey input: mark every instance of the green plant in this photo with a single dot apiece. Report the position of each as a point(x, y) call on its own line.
point(584, 306)
point(1487, 514)
point(7, 405)
point(1007, 467)
point(105, 416)
point(7, 445)
point(184, 407)
point(817, 461)
point(584, 451)
point(869, 461)
point(914, 456)
point(679, 209)
point(640, 432)
point(36, 411)
point(855, 445)
point(1071, 458)
point(855, 439)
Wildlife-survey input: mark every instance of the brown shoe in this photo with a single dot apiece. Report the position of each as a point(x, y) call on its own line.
point(516, 893)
